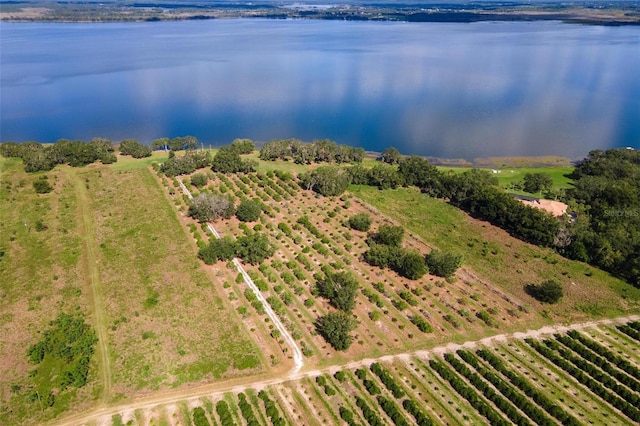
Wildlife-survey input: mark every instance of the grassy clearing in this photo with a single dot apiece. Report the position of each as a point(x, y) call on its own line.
point(507, 176)
point(41, 276)
point(126, 162)
point(506, 261)
point(108, 244)
point(164, 311)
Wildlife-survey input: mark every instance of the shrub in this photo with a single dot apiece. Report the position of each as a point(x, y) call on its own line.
point(443, 264)
point(549, 291)
point(199, 180)
point(389, 235)
point(42, 185)
point(360, 222)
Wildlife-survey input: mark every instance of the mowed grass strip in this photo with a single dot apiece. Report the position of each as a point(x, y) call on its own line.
point(503, 260)
point(167, 322)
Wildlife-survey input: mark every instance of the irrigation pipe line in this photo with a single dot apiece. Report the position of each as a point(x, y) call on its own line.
point(297, 353)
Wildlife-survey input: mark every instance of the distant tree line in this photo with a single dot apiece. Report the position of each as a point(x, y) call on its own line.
point(227, 160)
point(318, 151)
point(44, 157)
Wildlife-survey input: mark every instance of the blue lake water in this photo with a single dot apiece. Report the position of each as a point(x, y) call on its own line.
point(447, 90)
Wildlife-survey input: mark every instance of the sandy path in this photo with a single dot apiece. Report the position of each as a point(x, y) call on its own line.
point(90, 259)
point(297, 353)
point(217, 390)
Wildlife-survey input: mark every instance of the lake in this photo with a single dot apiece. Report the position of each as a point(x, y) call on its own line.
point(445, 90)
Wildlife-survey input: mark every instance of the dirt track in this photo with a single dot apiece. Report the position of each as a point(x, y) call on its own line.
point(95, 284)
point(102, 415)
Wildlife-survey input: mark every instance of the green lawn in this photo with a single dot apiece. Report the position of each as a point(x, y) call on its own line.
point(507, 176)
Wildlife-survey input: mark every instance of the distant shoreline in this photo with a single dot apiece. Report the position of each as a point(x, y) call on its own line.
point(592, 13)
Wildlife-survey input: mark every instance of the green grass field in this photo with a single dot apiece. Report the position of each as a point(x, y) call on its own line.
point(507, 176)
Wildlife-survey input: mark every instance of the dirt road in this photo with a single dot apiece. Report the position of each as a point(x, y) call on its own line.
point(216, 390)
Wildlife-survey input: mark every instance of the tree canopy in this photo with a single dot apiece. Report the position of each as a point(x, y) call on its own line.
point(134, 148)
point(318, 151)
point(326, 180)
point(210, 207)
point(228, 160)
point(336, 328)
point(340, 288)
point(249, 210)
point(360, 222)
point(391, 155)
point(549, 291)
point(443, 264)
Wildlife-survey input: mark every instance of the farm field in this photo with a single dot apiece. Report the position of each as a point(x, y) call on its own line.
point(586, 374)
point(311, 238)
point(181, 342)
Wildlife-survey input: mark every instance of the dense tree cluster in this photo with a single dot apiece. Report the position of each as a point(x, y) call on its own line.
point(387, 380)
point(243, 146)
point(247, 411)
point(176, 144)
point(528, 389)
point(228, 160)
point(386, 251)
point(537, 182)
point(476, 380)
point(199, 417)
point(606, 231)
point(468, 393)
point(382, 176)
point(186, 164)
point(326, 180)
point(591, 377)
point(226, 418)
point(134, 148)
point(38, 157)
point(391, 155)
point(199, 180)
point(271, 410)
point(210, 207)
point(318, 151)
point(253, 248)
point(249, 210)
point(371, 416)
